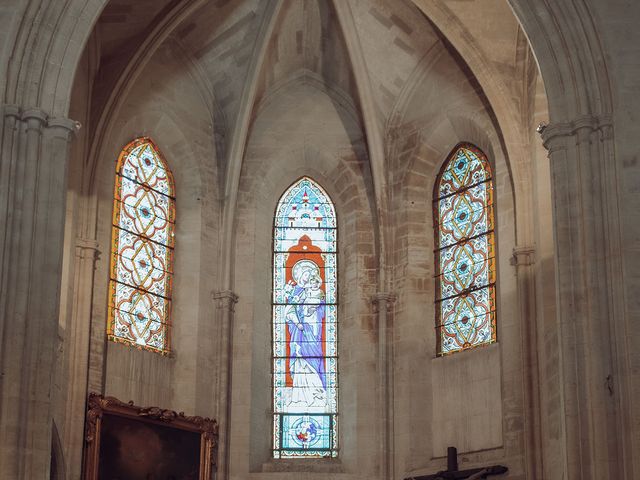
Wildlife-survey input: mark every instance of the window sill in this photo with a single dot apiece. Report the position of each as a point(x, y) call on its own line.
point(315, 465)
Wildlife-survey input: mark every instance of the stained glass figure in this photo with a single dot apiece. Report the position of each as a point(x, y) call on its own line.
point(142, 248)
point(305, 324)
point(465, 252)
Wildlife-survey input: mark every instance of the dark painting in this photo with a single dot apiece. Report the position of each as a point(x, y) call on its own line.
point(132, 449)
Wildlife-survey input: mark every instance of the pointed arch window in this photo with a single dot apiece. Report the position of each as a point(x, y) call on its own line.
point(465, 252)
point(142, 244)
point(305, 323)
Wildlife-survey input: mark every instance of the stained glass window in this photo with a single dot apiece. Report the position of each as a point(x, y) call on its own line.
point(142, 248)
point(305, 324)
point(465, 252)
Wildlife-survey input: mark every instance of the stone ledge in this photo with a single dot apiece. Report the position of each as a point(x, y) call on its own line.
point(299, 465)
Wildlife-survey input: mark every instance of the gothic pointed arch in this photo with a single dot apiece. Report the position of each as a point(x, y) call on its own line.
point(305, 323)
point(142, 245)
point(465, 268)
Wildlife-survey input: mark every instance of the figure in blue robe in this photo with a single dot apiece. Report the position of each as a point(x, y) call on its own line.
point(305, 315)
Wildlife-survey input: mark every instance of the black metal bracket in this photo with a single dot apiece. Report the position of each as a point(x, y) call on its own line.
point(452, 472)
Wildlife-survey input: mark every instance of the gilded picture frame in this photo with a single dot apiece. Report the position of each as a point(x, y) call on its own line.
point(123, 440)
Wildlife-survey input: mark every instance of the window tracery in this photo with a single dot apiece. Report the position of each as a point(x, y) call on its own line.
point(142, 246)
point(464, 252)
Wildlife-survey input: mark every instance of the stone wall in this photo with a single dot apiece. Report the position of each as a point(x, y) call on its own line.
point(621, 180)
point(303, 131)
point(472, 400)
point(166, 105)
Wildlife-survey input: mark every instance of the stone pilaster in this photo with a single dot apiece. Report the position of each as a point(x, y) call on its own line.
point(580, 154)
point(33, 171)
point(383, 306)
point(524, 258)
point(225, 301)
point(77, 358)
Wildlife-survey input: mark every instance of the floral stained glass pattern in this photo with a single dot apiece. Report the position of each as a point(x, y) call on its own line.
point(305, 324)
point(465, 252)
point(142, 248)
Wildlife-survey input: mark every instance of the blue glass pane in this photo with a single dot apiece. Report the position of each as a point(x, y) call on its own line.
point(466, 167)
point(306, 432)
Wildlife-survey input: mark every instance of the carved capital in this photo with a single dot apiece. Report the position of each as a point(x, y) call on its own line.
point(38, 119)
point(523, 256)
point(35, 119)
point(10, 110)
point(63, 127)
point(383, 300)
point(225, 299)
point(558, 132)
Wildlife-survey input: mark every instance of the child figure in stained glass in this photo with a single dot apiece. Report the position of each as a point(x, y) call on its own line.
point(305, 315)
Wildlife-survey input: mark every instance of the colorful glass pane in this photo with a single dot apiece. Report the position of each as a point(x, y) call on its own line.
point(305, 324)
point(465, 252)
point(142, 248)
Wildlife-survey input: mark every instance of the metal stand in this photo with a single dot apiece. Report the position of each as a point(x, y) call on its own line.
point(452, 472)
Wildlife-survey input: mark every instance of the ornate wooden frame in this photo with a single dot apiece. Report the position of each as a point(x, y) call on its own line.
point(98, 405)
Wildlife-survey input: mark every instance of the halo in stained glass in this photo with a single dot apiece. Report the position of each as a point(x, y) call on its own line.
point(305, 325)
point(465, 252)
point(141, 272)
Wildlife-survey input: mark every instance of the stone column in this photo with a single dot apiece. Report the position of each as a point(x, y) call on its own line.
point(225, 301)
point(580, 157)
point(383, 306)
point(33, 171)
point(77, 358)
point(524, 260)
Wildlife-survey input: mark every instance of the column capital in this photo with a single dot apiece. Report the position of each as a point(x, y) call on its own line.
point(64, 125)
point(10, 110)
point(87, 248)
point(35, 114)
point(225, 299)
point(383, 298)
point(40, 118)
point(561, 130)
point(523, 256)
